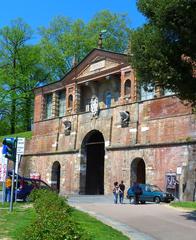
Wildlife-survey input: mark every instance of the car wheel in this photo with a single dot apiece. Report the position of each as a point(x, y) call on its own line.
point(143, 202)
point(157, 200)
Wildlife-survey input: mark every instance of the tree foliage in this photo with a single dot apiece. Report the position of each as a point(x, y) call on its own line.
point(66, 41)
point(24, 66)
point(19, 72)
point(164, 49)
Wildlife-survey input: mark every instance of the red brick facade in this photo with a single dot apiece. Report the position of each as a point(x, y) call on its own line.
point(159, 138)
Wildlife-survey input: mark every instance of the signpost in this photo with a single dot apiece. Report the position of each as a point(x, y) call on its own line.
point(19, 153)
point(3, 170)
point(3, 166)
point(13, 149)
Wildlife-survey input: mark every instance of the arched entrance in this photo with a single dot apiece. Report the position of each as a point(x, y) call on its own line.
point(55, 176)
point(138, 171)
point(92, 164)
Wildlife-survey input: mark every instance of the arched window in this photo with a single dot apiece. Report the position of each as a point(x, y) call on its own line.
point(127, 87)
point(70, 101)
point(108, 100)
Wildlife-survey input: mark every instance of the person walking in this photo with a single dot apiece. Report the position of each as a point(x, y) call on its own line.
point(8, 185)
point(121, 192)
point(137, 190)
point(116, 192)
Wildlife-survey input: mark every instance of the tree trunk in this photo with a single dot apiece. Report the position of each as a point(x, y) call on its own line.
point(27, 113)
point(13, 116)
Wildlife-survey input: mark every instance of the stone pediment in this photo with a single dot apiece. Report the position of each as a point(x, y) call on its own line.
point(96, 62)
point(98, 65)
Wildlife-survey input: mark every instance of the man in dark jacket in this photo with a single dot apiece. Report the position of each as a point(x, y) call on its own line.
point(121, 192)
point(137, 190)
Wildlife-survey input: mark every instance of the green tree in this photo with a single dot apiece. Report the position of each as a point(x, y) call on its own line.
point(18, 75)
point(117, 29)
point(66, 41)
point(163, 51)
point(32, 73)
point(12, 39)
point(54, 47)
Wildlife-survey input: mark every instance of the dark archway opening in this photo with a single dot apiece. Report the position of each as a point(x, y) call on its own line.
point(92, 177)
point(138, 171)
point(55, 176)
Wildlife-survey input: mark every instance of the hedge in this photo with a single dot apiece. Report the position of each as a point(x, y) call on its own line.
point(53, 219)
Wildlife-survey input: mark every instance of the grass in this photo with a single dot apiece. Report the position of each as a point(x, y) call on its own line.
point(96, 229)
point(13, 224)
point(26, 135)
point(188, 205)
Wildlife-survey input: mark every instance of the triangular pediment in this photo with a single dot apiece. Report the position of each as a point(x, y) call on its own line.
point(97, 61)
point(98, 64)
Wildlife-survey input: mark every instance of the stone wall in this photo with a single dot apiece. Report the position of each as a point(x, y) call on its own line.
point(161, 132)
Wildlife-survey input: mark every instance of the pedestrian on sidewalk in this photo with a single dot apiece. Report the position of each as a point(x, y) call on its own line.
point(116, 190)
point(137, 192)
point(121, 192)
point(8, 185)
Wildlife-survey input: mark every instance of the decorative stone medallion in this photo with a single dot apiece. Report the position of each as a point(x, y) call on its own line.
point(94, 106)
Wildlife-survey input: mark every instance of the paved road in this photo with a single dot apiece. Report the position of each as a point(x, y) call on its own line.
point(142, 222)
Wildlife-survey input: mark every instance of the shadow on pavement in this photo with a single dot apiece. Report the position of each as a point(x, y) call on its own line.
point(191, 215)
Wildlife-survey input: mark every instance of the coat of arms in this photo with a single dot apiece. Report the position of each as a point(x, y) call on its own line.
point(94, 106)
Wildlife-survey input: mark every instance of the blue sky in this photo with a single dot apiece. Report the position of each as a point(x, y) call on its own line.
point(40, 12)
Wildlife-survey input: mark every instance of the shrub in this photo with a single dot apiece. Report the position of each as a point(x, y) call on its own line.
point(53, 219)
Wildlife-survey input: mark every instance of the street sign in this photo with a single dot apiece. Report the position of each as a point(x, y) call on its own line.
point(179, 170)
point(3, 166)
point(19, 152)
point(20, 146)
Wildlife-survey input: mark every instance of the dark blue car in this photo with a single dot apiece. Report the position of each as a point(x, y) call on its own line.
point(151, 193)
point(27, 185)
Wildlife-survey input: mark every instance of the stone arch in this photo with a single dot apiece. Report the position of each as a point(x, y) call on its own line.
point(55, 176)
point(92, 163)
point(138, 171)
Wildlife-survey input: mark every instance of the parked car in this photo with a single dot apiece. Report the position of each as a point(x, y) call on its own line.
point(26, 185)
point(151, 193)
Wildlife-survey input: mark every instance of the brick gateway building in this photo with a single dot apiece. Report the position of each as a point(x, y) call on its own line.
point(97, 126)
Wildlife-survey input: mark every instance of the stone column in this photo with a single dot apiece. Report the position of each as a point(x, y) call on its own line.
point(43, 107)
point(77, 98)
point(122, 79)
point(54, 104)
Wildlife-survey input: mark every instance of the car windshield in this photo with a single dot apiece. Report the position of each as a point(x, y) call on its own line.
point(155, 188)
